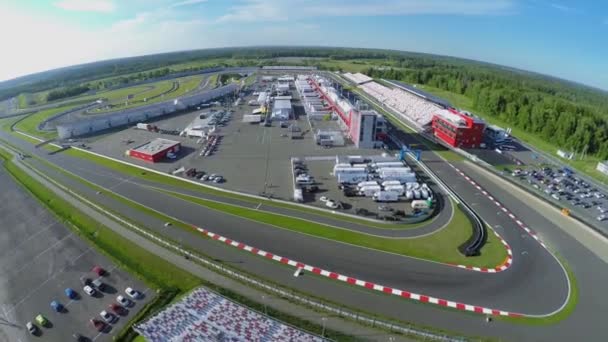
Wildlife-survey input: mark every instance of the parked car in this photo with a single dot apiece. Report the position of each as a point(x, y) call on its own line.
point(332, 204)
point(116, 308)
point(31, 328)
point(123, 301)
point(99, 271)
point(70, 293)
point(98, 284)
point(132, 293)
point(85, 281)
point(98, 324)
point(89, 290)
point(56, 306)
point(40, 319)
point(107, 317)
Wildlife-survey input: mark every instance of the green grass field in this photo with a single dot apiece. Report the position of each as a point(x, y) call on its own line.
point(117, 99)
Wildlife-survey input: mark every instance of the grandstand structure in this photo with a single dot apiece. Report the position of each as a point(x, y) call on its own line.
point(357, 78)
point(206, 316)
point(412, 108)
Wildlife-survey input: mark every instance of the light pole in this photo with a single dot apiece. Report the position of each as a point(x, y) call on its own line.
point(324, 319)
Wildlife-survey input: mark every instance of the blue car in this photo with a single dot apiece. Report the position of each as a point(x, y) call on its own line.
point(71, 293)
point(55, 305)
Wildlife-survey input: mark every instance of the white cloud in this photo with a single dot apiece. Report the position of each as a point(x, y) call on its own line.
point(104, 6)
point(187, 3)
point(278, 10)
point(564, 8)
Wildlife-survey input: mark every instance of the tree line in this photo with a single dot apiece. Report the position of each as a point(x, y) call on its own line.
point(570, 116)
point(67, 92)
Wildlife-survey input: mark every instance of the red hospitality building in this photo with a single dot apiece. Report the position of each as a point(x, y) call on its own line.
point(155, 150)
point(457, 129)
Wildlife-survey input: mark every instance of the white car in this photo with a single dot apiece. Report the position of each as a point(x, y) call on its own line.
point(108, 317)
point(298, 272)
point(89, 290)
point(132, 293)
point(331, 204)
point(601, 217)
point(323, 199)
point(123, 301)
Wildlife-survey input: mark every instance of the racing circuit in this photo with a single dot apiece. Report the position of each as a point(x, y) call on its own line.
point(532, 282)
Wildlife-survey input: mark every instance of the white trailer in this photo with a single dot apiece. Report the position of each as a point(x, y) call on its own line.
point(391, 182)
point(401, 178)
point(409, 194)
point(142, 126)
point(394, 169)
point(352, 178)
point(343, 166)
point(385, 196)
point(387, 164)
point(369, 191)
point(398, 189)
point(417, 194)
point(412, 185)
point(424, 193)
point(367, 183)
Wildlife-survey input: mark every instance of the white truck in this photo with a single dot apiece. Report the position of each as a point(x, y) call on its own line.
point(417, 194)
point(398, 189)
point(366, 183)
point(424, 193)
point(385, 196)
point(391, 182)
point(409, 194)
point(420, 204)
point(370, 190)
point(351, 178)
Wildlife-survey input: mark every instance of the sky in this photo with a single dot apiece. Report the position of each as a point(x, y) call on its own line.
point(563, 38)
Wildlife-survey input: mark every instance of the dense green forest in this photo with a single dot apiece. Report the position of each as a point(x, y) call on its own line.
point(568, 115)
point(66, 92)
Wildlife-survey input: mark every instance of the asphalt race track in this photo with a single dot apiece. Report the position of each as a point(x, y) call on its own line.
point(535, 284)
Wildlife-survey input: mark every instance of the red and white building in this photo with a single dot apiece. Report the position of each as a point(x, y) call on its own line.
point(366, 128)
point(458, 129)
point(155, 150)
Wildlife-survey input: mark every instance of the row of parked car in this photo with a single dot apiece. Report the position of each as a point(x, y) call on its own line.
point(90, 287)
point(562, 184)
point(212, 145)
point(203, 176)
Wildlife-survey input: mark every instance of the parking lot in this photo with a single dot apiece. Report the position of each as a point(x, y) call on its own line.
point(564, 187)
point(40, 259)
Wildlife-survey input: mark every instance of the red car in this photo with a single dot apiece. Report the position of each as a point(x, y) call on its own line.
point(99, 271)
point(97, 324)
point(116, 308)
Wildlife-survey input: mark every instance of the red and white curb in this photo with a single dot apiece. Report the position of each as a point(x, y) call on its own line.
point(500, 206)
point(502, 267)
point(357, 282)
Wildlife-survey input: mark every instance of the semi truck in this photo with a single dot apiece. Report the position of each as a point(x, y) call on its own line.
point(398, 189)
point(385, 196)
point(369, 190)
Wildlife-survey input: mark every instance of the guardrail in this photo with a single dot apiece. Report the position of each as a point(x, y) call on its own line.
point(473, 245)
